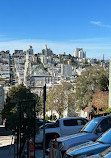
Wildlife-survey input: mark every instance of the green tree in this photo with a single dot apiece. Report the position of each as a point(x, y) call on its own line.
point(72, 109)
point(56, 100)
point(20, 104)
point(61, 97)
point(91, 79)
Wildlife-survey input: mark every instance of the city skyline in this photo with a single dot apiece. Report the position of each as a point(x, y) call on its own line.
point(62, 25)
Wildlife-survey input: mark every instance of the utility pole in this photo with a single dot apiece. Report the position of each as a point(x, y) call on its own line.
point(34, 128)
point(19, 129)
point(44, 99)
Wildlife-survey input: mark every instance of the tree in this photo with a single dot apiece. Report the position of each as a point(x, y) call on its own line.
point(91, 79)
point(20, 104)
point(71, 105)
point(56, 100)
point(100, 99)
point(61, 97)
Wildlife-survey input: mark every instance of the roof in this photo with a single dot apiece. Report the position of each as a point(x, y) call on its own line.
point(66, 118)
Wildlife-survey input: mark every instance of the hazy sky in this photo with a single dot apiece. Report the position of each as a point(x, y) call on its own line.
point(61, 24)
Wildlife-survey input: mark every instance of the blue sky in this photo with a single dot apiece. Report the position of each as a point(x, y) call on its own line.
point(61, 24)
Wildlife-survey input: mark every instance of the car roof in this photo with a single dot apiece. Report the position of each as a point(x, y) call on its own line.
point(67, 118)
point(102, 117)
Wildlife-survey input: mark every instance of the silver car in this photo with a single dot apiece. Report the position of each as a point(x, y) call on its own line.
point(90, 132)
point(91, 148)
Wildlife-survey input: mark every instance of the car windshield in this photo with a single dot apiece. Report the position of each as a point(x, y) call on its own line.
point(89, 127)
point(105, 138)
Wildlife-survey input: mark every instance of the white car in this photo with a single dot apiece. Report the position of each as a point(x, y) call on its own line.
point(62, 127)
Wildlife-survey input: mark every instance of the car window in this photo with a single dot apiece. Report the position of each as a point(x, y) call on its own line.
point(105, 125)
point(71, 122)
point(81, 122)
point(89, 127)
point(57, 123)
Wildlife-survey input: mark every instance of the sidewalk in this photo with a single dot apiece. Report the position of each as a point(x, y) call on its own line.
point(7, 150)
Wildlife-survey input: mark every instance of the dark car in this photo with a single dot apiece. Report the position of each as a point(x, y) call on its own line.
point(91, 148)
point(41, 121)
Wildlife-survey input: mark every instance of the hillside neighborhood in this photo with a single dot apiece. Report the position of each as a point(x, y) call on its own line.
point(34, 70)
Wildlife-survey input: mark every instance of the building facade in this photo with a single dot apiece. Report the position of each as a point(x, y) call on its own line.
point(79, 53)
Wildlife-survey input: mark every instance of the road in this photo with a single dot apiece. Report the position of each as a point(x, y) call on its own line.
point(7, 150)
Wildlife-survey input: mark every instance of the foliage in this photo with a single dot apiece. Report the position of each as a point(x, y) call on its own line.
point(100, 99)
point(47, 117)
point(61, 97)
point(86, 61)
point(71, 105)
point(91, 79)
point(57, 100)
point(96, 61)
point(108, 110)
point(20, 104)
point(2, 79)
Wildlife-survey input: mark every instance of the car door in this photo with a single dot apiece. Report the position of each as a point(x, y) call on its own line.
point(68, 127)
point(72, 126)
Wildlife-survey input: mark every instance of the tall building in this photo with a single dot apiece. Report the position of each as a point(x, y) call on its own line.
point(46, 51)
point(79, 53)
point(30, 50)
point(66, 70)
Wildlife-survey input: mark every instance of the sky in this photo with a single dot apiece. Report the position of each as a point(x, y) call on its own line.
point(61, 24)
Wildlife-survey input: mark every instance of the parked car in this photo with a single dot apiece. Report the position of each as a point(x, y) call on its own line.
point(41, 121)
point(62, 127)
point(90, 132)
point(91, 148)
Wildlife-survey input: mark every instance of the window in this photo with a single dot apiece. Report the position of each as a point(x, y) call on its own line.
point(81, 122)
point(57, 123)
point(71, 122)
point(105, 124)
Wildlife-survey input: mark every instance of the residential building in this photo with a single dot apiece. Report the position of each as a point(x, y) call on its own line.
point(66, 70)
point(79, 53)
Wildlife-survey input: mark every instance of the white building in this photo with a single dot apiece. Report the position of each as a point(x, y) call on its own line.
point(27, 70)
point(66, 70)
point(79, 53)
point(43, 59)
